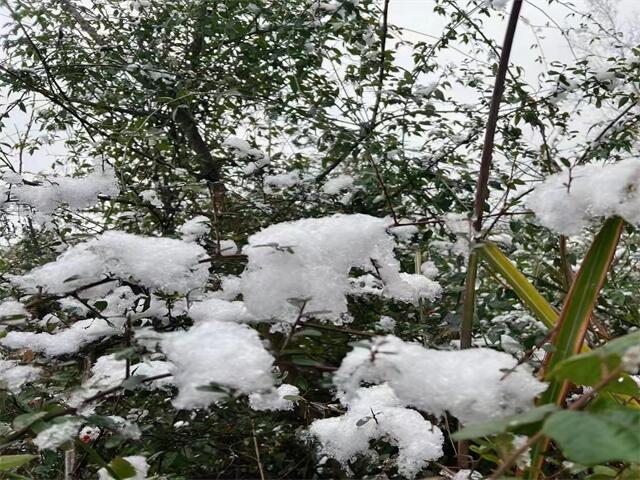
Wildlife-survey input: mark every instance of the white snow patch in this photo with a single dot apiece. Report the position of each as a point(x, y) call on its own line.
point(195, 229)
point(227, 355)
point(311, 259)
point(338, 184)
point(13, 308)
point(467, 383)
point(568, 201)
point(218, 310)
point(13, 376)
point(69, 340)
point(158, 263)
point(76, 192)
point(346, 437)
point(275, 399)
point(61, 431)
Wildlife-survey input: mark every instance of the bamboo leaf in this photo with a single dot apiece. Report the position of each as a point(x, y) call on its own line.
point(580, 303)
point(574, 319)
point(500, 264)
point(14, 461)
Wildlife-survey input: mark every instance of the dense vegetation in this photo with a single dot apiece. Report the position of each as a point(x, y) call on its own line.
point(285, 241)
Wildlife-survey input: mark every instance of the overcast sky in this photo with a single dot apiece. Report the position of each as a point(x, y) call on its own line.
point(539, 25)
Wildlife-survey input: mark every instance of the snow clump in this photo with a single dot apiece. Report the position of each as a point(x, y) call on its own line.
point(309, 262)
point(570, 200)
point(376, 413)
point(470, 384)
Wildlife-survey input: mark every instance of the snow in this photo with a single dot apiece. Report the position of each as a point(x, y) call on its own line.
point(243, 148)
point(13, 376)
point(311, 259)
point(158, 263)
point(195, 229)
point(282, 181)
point(60, 431)
point(631, 359)
point(570, 200)
point(13, 308)
point(253, 167)
point(275, 399)
point(227, 355)
point(151, 197)
point(237, 144)
point(228, 247)
point(138, 462)
point(230, 288)
point(335, 185)
point(413, 288)
point(466, 474)
point(497, 4)
point(404, 232)
point(76, 192)
point(108, 372)
point(346, 437)
point(124, 428)
point(429, 269)
point(510, 344)
point(425, 90)
point(218, 310)
point(468, 383)
point(458, 223)
point(69, 340)
point(12, 178)
point(386, 324)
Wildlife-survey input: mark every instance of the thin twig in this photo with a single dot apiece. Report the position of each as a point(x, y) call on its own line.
point(293, 327)
point(257, 450)
point(482, 189)
point(482, 192)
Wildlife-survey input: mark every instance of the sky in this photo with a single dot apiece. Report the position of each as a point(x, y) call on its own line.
point(538, 25)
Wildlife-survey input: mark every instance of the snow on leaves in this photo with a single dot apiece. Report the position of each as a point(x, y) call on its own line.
point(377, 413)
point(157, 263)
point(570, 200)
point(473, 385)
point(312, 259)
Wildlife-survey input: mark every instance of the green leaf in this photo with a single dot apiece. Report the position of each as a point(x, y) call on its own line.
point(122, 468)
point(580, 302)
point(632, 472)
point(513, 423)
point(308, 332)
point(500, 264)
point(13, 461)
point(574, 319)
point(132, 382)
point(590, 368)
point(363, 421)
point(293, 398)
point(305, 361)
point(100, 305)
point(592, 438)
point(27, 419)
